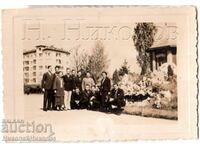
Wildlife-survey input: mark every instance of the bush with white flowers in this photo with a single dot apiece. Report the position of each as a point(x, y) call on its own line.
point(160, 85)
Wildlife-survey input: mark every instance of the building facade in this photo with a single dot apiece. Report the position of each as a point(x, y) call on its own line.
point(164, 49)
point(36, 62)
point(161, 55)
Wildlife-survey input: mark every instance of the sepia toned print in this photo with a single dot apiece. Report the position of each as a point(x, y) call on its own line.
point(100, 74)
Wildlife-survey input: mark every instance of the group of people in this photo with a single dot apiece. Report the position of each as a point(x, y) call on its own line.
point(75, 90)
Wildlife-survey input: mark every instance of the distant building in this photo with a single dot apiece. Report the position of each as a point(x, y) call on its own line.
point(163, 50)
point(36, 62)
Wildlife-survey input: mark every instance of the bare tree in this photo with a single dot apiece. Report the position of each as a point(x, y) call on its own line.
point(98, 60)
point(80, 58)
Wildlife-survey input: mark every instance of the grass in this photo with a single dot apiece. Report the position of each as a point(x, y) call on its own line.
point(151, 112)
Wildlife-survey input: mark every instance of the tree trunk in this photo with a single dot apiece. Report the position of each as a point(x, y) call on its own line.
point(144, 70)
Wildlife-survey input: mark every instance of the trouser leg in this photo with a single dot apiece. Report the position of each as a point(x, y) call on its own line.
point(45, 100)
point(52, 100)
point(49, 97)
point(103, 100)
point(67, 99)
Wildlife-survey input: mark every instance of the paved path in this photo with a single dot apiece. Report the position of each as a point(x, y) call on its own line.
point(86, 125)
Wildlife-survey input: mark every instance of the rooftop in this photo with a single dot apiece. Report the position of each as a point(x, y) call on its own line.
point(166, 36)
point(47, 48)
point(30, 51)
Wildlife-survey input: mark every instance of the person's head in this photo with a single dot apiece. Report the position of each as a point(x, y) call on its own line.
point(57, 68)
point(104, 74)
point(60, 74)
point(87, 87)
point(73, 72)
point(49, 68)
point(79, 73)
point(115, 86)
point(68, 71)
point(88, 74)
point(77, 90)
point(93, 88)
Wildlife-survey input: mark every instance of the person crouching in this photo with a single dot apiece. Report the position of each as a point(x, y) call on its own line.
point(75, 99)
point(84, 103)
point(117, 98)
point(94, 103)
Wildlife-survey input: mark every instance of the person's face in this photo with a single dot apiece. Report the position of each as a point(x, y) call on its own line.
point(87, 88)
point(79, 74)
point(67, 71)
point(73, 72)
point(50, 69)
point(93, 89)
point(56, 69)
point(77, 90)
point(104, 75)
point(88, 74)
point(116, 86)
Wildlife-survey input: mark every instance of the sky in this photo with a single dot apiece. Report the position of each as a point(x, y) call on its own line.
point(116, 36)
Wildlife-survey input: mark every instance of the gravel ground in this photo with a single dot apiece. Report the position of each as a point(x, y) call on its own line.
point(84, 125)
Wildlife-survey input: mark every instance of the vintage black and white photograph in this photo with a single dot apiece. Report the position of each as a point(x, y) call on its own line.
point(138, 78)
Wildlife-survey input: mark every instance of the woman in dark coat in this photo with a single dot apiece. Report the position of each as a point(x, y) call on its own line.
point(58, 87)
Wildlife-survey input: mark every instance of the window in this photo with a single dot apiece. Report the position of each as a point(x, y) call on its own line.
point(58, 54)
point(26, 74)
point(40, 54)
point(34, 73)
point(26, 68)
point(58, 61)
point(34, 67)
point(161, 58)
point(26, 80)
point(34, 61)
point(40, 67)
point(34, 80)
point(26, 62)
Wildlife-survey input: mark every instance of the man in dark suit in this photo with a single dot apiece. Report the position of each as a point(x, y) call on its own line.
point(47, 83)
point(57, 71)
point(104, 90)
point(78, 80)
point(116, 98)
point(95, 99)
point(73, 80)
point(87, 94)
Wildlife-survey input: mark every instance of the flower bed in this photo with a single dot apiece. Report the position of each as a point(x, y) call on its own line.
point(155, 93)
